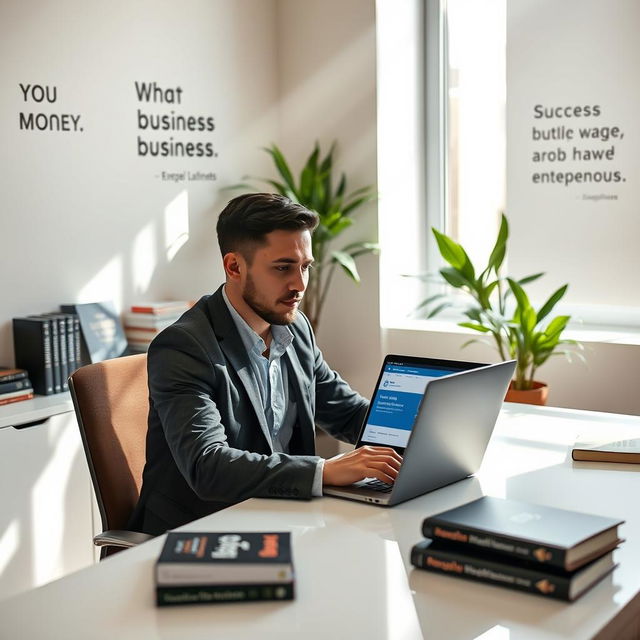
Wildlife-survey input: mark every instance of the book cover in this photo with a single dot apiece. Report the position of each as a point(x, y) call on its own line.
point(199, 559)
point(620, 449)
point(33, 352)
point(15, 385)
point(102, 332)
point(10, 374)
point(514, 574)
point(56, 356)
point(207, 594)
point(160, 308)
point(546, 535)
point(148, 320)
point(10, 398)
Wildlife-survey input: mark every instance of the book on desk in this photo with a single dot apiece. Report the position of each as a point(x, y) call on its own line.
point(224, 567)
point(607, 449)
point(552, 552)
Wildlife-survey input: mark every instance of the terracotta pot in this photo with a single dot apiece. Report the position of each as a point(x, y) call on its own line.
point(537, 395)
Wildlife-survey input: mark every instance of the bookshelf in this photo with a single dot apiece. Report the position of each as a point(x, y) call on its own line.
point(39, 408)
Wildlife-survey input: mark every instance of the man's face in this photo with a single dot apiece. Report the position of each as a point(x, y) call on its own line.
point(278, 275)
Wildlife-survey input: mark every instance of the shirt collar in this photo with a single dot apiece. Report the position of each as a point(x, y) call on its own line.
point(281, 335)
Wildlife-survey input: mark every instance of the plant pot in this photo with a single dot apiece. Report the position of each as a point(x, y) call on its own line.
point(536, 395)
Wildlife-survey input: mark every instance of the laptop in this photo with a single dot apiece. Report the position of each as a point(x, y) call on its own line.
point(438, 414)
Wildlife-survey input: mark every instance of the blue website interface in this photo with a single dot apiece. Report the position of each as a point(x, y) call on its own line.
point(396, 403)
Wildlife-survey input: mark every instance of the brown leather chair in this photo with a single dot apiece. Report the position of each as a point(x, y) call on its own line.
point(111, 401)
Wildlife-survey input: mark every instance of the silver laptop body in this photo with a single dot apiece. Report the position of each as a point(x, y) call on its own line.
point(448, 436)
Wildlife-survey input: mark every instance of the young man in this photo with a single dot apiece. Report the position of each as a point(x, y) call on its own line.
point(237, 384)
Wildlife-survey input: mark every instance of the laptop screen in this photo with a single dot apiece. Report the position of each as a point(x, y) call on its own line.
point(398, 395)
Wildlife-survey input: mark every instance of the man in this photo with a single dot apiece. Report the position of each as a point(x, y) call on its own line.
point(237, 384)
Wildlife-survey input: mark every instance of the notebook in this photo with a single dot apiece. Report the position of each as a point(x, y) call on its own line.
point(438, 414)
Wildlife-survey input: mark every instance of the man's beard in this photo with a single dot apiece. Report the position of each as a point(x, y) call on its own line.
point(249, 295)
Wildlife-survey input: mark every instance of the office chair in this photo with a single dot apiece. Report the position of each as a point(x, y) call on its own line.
point(111, 402)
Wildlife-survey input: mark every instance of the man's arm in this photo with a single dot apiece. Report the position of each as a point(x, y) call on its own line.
point(340, 411)
point(191, 393)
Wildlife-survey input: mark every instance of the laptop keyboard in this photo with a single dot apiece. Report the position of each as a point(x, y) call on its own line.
point(378, 485)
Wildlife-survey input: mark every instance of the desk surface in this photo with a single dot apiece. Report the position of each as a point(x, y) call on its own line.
point(354, 579)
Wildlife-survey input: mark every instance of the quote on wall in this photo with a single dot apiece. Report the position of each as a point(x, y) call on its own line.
point(575, 145)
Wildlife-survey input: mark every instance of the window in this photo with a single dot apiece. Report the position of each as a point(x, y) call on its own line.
point(503, 84)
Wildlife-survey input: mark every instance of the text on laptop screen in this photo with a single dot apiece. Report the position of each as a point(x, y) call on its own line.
point(397, 401)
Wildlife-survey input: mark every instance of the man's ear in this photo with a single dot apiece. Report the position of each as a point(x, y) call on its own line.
point(233, 265)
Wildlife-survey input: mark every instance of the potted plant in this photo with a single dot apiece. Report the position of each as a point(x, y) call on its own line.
point(501, 309)
point(316, 189)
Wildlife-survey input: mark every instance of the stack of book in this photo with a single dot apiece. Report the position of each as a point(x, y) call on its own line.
point(48, 347)
point(543, 550)
point(14, 385)
point(224, 567)
point(146, 320)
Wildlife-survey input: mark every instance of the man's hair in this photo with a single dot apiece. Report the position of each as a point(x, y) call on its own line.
point(247, 219)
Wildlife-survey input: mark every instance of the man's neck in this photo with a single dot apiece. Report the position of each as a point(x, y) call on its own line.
point(260, 326)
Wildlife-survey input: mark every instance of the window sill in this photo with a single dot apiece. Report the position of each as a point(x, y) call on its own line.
point(585, 333)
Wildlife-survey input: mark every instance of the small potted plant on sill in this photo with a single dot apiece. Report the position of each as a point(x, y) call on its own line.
point(501, 310)
point(316, 190)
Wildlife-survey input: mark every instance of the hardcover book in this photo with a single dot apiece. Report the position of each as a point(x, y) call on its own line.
point(33, 352)
point(224, 567)
point(102, 332)
point(16, 396)
point(509, 572)
point(198, 559)
point(172, 307)
point(545, 535)
point(166, 596)
point(626, 450)
point(9, 374)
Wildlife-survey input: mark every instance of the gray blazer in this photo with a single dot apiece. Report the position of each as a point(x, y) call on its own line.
point(208, 445)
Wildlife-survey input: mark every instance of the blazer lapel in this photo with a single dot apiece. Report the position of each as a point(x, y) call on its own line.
point(303, 401)
point(233, 348)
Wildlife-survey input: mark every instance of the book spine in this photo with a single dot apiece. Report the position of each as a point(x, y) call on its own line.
point(26, 396)
point(168, 596)
point(77, 339)
point(55, 355)
point(71, 346)
point(32, 346)
point(62, 339)
point(482, 570)
point(17, 385)
point(10, 377)
point(470, 539)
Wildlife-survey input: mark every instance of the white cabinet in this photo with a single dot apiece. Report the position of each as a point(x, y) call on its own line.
point(46, 499)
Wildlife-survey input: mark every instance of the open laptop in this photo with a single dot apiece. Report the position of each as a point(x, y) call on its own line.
point(438, 414)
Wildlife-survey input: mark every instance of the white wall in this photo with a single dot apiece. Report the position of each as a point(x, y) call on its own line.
point(83, 216)
point(327, 65)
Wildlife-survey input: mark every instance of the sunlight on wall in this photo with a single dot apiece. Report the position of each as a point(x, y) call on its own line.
point(9, 544)
point(143, 258)
point(176, 224)
point(402, 619)
point(106, 284)
point(48, 514)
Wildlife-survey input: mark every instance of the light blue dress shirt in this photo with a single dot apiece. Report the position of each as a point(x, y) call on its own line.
point(272, 380)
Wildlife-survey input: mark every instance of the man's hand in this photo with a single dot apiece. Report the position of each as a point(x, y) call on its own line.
point(365, 462)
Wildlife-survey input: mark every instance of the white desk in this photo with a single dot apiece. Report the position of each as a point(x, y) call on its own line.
point(353, 576)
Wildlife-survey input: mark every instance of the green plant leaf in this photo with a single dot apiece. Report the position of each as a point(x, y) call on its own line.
point(450, 250)
point(454, 277)
point(347, 263)
point(499, 250)
point(282, 166)
point(429, 300)
point(551, 302)
point(438, 309)
point(357, 249)
point(475, 327)
point(528, 279)
point(358, 202)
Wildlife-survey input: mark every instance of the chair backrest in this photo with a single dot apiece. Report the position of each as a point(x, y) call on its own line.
point(111, 401)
